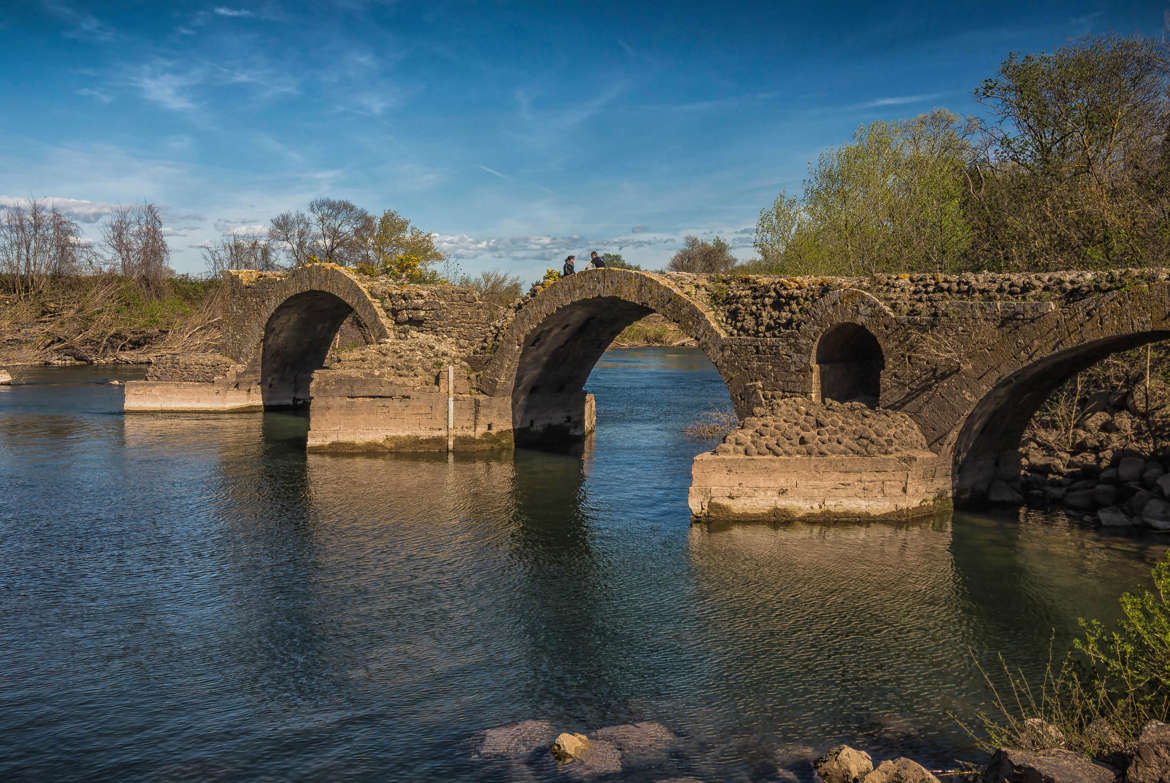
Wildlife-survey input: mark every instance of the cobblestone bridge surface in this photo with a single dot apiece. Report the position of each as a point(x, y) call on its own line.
point(857, 397)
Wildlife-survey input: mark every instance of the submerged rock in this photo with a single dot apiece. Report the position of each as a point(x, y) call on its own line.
point(638, 742)
point(597, 758)
point(1113, 517)
point(1156, 514)
point(1045, 766)
point(844, 764)
point(516, 740)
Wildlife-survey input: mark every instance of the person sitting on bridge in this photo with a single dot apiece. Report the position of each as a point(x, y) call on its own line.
point(568, 268)
point(596, 261)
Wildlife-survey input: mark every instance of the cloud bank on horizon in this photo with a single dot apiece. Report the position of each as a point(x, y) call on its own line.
point(516, 134)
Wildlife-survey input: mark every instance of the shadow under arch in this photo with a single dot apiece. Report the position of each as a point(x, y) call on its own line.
point(553, 343)
point(848, 364)
point(297, 338)
point(997, 422)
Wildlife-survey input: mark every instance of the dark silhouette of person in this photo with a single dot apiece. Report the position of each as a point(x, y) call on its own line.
point(567, 269)
point(596, 261)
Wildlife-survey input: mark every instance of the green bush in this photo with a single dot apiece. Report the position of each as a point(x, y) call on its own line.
point(1101, 694)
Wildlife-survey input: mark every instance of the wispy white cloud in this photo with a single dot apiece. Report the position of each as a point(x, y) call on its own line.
point(231, 12)
point(81, 210)
point(248, 230)
point(1085, 21)
point(83, 26)
point(491, 171)
point(96, 94)
point(171, 89)
point(541, 246)
point(900, 100)
point(713, 104)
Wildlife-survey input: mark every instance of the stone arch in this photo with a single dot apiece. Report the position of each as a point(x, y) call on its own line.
point(847, 335)
point(548, 350)
point(1007, 383)
point(297, 321)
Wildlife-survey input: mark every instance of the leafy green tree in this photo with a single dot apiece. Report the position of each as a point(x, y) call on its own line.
point(1074, 167)
point(889, 201)
point(701, 256)
point(391, 245)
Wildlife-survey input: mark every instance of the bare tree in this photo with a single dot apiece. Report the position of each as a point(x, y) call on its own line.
point(293, 232)
point(333, 232)
point(700, 256)
point(134, 237)
point(494, 287)
point(241, 252)
point(339, 224)
point(39, 243)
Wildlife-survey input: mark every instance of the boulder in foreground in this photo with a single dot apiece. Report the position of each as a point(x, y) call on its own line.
point(901, 770)
point(844, 764)
point(1151, 762)
point(1045, 766)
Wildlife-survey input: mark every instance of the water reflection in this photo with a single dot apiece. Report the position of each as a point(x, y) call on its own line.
point(195, 597)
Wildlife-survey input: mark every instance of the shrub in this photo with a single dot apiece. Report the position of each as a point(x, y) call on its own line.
point(1101, 694)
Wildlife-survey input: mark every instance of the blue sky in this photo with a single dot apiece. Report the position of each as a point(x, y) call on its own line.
point(517, 132)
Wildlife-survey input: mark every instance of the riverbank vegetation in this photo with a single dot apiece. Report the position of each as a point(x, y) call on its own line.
point(1097, 699)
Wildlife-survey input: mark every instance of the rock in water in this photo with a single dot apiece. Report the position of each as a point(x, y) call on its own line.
point(844, 764)
point(1156, 514)
point(1113, 517)
point(5, 378)
point(1151, 762)
point(597, 758)
point(638, 742)
point(567, 747)
point(1045, 766)
point(902, 770)
point(517, 740)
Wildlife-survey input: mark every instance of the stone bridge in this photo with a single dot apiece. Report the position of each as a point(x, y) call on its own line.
point(857, 397)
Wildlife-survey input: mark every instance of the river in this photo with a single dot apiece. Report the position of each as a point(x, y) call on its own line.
point(195, 598)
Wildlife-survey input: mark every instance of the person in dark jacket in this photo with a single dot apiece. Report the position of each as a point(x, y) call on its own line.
point(568, 267)
point(595, 261)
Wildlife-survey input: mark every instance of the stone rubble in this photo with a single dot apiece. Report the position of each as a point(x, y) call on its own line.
point(796, 427)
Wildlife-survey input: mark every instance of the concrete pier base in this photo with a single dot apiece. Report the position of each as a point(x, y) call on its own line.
point(189, 396)
point(838, 488)
point(355, 413)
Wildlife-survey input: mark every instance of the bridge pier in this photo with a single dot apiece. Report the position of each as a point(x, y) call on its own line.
point(771, 488)
point(190, 397)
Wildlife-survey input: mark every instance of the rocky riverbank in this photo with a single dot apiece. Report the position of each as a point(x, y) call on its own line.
point(1102, 456)
point(649, 751)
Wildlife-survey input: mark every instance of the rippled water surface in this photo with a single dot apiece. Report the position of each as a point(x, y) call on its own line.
point(195, 598)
